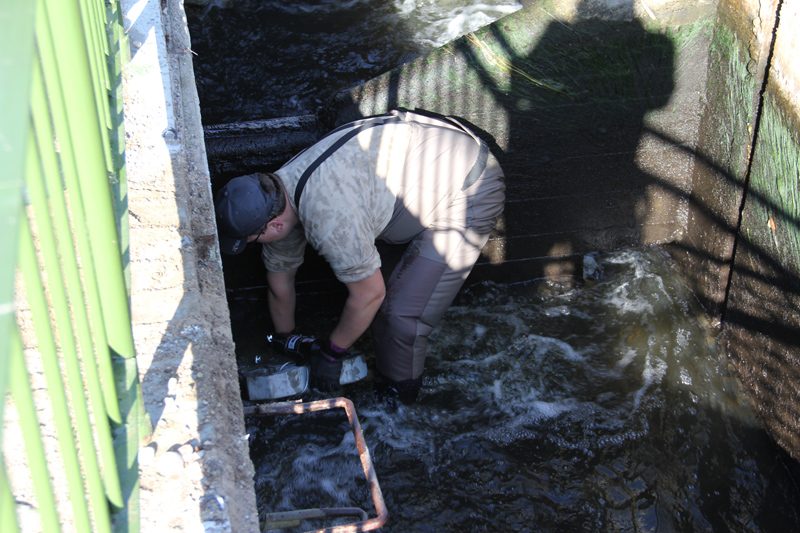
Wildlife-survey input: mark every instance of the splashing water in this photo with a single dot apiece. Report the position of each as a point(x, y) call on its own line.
point(271, 58)
point(601, 407)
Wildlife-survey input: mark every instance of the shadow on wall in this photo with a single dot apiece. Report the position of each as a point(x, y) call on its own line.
point(576, 107)
point(564, 105)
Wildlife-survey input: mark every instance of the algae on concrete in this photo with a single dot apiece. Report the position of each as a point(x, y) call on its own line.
point(773, 215)
point(719, 171)
point(762, 318)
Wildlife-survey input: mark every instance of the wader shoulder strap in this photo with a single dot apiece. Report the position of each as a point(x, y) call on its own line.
point(360, 126)
point(394, 116)
point(428, 117)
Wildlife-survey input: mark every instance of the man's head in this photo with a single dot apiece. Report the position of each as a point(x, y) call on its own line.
point(244, 207)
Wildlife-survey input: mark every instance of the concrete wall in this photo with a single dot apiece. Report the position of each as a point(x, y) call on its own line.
point(593, 108)
point(195, 469)
point(762, 312)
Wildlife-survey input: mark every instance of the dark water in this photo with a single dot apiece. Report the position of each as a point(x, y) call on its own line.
point(273, 58)
point(605, 407)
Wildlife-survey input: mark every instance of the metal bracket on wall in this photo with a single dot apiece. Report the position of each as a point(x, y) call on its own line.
point(281, 519)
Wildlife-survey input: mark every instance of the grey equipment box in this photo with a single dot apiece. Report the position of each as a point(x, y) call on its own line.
point(284, 379)
point(275, 381)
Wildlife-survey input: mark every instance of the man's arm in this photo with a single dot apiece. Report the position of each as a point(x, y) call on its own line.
point(281, 300)
point(363, 301)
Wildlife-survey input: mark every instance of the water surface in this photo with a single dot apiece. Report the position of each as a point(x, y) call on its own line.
point(602, 407)
point(272, 58)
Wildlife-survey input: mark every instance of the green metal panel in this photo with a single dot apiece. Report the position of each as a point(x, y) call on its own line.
point(71, 157)
point(16, 55)
point(29, 421)
point(71, 184)
point(93, 31)
point(8, 516)
point(48, 351)
point(52, 196)
point(119, 53)
point(43, 153)
point(76, 77)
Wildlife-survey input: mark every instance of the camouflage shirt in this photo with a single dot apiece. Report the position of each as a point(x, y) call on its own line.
point(370, 188)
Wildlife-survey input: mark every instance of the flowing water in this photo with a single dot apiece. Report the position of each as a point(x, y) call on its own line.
point(273, 58)
point(603, 407)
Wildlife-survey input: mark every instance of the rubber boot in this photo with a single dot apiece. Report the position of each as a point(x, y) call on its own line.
point(405, 391)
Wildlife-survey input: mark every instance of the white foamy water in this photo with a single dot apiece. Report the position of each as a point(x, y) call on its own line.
point(550, 409)
point(437, 23)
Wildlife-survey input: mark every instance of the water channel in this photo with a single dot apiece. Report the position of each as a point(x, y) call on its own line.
point(603, 406)
point(599, 407)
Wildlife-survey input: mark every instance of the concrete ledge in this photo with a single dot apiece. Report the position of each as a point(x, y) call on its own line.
point(196, 473)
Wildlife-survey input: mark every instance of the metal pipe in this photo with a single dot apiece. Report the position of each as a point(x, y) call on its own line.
point(284, 519)
point(299, 408)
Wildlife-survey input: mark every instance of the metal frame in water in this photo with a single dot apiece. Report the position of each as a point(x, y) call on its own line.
point(289, 518)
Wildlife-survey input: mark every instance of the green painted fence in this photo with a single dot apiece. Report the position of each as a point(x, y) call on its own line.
point(72, 418)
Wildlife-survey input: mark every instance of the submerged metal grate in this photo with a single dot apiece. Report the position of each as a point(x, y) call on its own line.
point(281, 519)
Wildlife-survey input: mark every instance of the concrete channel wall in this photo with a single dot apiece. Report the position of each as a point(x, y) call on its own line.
point(196, 473)
point(746, 204)
point(763, 309)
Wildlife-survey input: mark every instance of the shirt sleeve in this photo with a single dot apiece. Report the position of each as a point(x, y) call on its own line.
point(344, 234)
point(286, 254)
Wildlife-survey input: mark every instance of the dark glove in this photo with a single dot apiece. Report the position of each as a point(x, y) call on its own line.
point(326, 365)
point(291, 343)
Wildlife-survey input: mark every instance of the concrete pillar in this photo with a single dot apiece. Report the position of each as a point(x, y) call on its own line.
point(195, 470)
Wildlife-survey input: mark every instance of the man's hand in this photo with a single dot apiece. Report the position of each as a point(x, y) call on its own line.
point(324, 357)
point(326, 365)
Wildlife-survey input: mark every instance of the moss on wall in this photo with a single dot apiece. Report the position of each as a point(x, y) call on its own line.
point(762, 318)
point(772, 214)
point(720, 167)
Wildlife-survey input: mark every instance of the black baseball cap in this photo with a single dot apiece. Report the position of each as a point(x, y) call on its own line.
point(243, 208)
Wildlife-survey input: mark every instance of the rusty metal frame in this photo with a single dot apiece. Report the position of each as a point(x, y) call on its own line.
point(299, 408)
